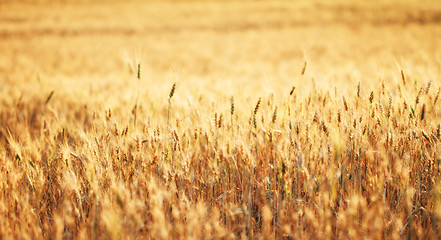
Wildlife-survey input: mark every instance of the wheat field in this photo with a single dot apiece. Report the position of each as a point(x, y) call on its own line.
point(213, 119)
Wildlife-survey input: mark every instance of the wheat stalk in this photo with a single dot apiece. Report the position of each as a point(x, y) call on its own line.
point(232, 113)
point(172, 92)
point(135, 109)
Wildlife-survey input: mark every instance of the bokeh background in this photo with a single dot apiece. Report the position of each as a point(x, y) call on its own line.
point(242, 48)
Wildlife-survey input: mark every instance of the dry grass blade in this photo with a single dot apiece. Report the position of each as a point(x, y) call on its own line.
point(49, 97)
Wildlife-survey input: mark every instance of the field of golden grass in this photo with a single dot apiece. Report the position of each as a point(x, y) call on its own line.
point(220, 119)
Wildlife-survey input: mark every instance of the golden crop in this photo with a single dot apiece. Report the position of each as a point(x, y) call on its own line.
point(220, 119)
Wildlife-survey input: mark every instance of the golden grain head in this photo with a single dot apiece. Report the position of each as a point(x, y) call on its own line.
point(172, 91)
point(232, 105)
point(371, 97)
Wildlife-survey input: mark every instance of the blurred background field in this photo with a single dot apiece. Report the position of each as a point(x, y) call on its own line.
point(255, 46)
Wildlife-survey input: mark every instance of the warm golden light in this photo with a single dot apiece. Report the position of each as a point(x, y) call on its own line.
point(211, 119)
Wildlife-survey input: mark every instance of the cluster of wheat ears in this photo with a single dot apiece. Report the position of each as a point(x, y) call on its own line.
point(362, 165)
